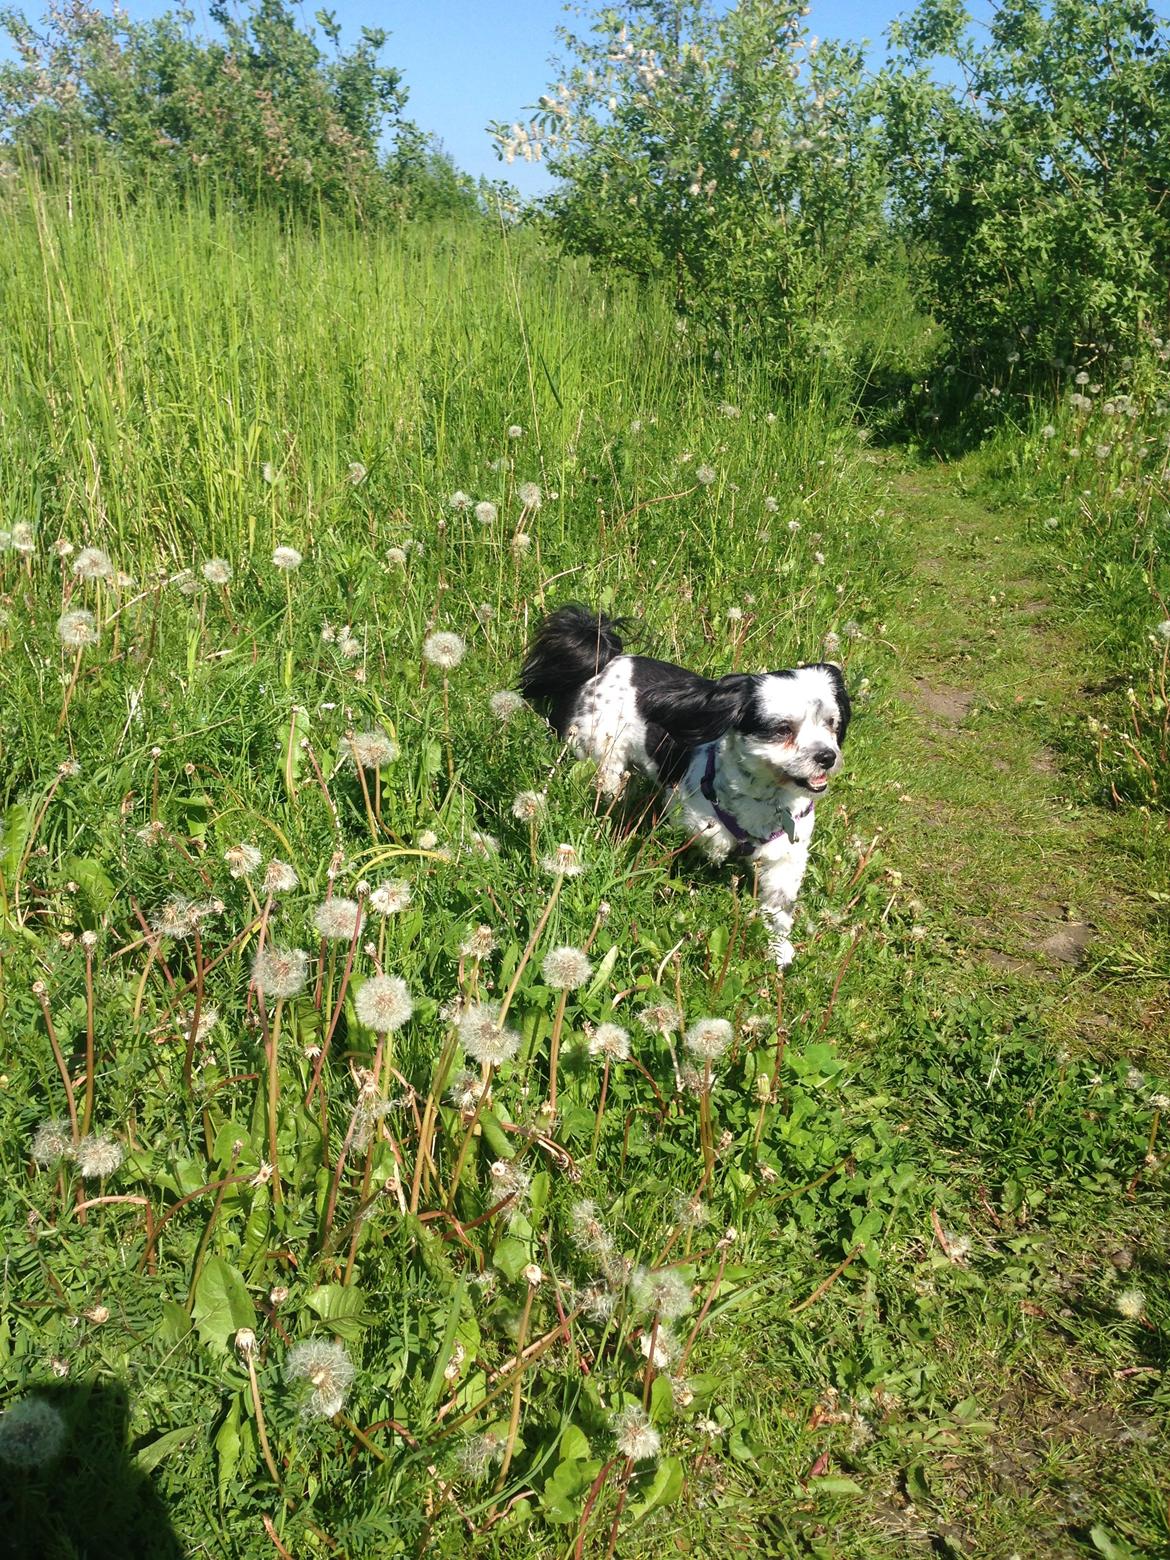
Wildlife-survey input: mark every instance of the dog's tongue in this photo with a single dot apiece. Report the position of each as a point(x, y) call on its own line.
point(819, 780)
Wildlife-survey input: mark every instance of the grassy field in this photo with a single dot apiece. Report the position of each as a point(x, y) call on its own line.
point(890, 1280)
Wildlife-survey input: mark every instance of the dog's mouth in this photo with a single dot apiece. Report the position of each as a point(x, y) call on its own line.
point(817, 782)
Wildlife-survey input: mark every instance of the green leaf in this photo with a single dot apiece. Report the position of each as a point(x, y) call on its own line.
point(93, 880)
point(603, 972)
point(666, 1486)
point(835, 1484)
point(227, 1450)
point(174, 1324)
point(574, 1444)
point(512, 1256)
point(291, 754)
point(149, 1457)
point(342, 1308)
point(565, 1488)
point(222, 1304)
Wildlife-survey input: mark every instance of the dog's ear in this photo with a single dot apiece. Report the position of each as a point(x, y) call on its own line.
point(841, 693)
point(698, 710)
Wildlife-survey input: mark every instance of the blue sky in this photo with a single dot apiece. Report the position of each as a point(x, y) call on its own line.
point(466, 62)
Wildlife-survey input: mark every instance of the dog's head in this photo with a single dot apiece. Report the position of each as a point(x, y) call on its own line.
point(789, 727)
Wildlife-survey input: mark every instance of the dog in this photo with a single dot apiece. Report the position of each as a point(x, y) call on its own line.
point(743, 758)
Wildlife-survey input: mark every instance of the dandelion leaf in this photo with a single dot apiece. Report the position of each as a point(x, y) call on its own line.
point(222, 1304)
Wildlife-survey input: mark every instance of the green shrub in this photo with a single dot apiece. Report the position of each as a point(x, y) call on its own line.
point(728, 154)
point(260, 113)
point(1034, 185)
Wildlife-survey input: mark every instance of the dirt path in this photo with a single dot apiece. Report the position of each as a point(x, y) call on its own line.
point(1035, 886)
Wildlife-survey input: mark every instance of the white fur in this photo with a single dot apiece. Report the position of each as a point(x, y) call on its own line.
point(756, 778)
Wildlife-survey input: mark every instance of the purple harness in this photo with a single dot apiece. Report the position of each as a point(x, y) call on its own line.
point(745, 844)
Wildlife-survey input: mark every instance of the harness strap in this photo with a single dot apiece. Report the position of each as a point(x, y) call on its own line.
point(745, 842)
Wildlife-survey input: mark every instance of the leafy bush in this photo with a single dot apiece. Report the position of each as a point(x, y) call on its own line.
point(730, 154)
point(1035, 186)
point(260, 113)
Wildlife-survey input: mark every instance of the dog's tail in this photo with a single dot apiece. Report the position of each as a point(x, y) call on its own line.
point(572, 645)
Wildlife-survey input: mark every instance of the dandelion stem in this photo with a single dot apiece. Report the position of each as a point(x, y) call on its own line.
point(517, 1389)
point(702, 1316)
point(337, 1006)
point(430, 1112)
point(530, 949)
point(554, 1051)
point(621, 1506)
point(600, 1108)
point(272, 1058)
point(196, 1014)
point(87, 1111)
point(261, 1429)
point(465, 1146)
point(43, 998)
point(69, 690)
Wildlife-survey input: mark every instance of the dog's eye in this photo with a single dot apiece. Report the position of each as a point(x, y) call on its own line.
point(785, 729)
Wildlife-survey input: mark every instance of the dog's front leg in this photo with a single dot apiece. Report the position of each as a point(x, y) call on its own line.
point(780, 880)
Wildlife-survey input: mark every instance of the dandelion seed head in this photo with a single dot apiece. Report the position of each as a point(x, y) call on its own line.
point(52, 1141)
point(337, 919)
point(1163, 629)
point(611, 1041)
point(528, 806)
point(242, 860)
point(661, 1018)
point(665, 1293)
point(97, 1156)
point(383, 1003)
point(566, 968)
point(371, 749)
point(510, 1180)
point(217, 571)
point(586, 1230)
point(482, 1038)
point(565, 861)
point(287, 558)
point(529, 495)
point(459, 501)
point(268, 471)
point(32, 1433)
point(178, 917)
point(465, 1090)
point(708, 1038)
point(515, 431)
point(92, 563)
point(705, 475)
point(22, 539)
point(505, 704)
point(479, 1454)
point(444, 650)
point(329, 1371)
point(77, 630)
point(1131, 1304)
point(280, 878)
point(478, 944)
point(355, 473)
point(636, 1437)
point(520, 543)
point(391, 897)
point(280, 972)
point(486, 513)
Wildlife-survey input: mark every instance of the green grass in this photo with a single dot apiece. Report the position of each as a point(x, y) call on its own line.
point(934, 1164)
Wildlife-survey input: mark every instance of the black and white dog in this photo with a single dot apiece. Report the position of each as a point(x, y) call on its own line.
point(743, 757)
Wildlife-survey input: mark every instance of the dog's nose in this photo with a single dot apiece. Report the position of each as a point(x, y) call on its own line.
point(825, 757)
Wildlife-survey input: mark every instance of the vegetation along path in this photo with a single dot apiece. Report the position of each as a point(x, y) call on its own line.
point(1039, 887)
point(1011, 1042)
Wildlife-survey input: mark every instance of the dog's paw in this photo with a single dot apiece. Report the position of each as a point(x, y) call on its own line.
point(783, 952)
